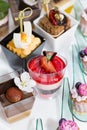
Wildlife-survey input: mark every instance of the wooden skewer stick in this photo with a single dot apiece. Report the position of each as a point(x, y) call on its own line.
point(22, 16)
point(45, 3)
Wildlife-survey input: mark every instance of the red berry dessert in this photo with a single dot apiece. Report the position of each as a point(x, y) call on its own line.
point(48, 71)
point(56, 23)
point(79, 98)
point(67, 125)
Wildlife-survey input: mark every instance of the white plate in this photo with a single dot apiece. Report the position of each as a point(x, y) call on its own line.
point(30, 2)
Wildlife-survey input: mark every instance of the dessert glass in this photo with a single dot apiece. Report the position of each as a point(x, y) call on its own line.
point(47, 84)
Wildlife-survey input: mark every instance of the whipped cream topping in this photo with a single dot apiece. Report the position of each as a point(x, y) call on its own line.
point(80, 94)
point(59, 16)
point(68, 125)
point(22, 40)
point(4, 20)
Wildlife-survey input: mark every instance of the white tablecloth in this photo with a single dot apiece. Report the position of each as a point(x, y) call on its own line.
point(48, 110)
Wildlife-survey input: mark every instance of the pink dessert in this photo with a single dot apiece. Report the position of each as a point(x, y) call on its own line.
point(48, 71)
point(79, 98)
point(67, 125)
point(82, 90)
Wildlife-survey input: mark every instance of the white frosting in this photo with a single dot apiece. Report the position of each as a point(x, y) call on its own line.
point(4, 20)
point(76, 96)
point(17, 36)
point(61, 17)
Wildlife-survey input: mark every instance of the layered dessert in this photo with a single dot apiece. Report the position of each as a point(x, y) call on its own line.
point(83, 22)
point(4, 6)
point(23, 43)
point(56, 23)
point(67, 125)
point(79, 98)
point(15, 103)
point(48, 71)
point(83, 57)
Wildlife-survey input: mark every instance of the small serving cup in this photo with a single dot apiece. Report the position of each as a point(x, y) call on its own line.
point(62, 42)
point(47, 84)
point(12, 112)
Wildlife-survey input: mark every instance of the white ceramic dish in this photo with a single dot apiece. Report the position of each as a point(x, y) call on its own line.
point(30, 2)
point(63, 41)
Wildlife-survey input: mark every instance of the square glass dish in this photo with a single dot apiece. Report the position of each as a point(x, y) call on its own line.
point(14, 111)
point(8, 38)
point(14, 60)
point(63, 41)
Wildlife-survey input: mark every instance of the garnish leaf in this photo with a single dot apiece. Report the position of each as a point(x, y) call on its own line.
point(49, 54)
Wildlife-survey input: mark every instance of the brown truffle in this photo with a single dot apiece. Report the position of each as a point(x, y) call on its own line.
point(13, 94)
